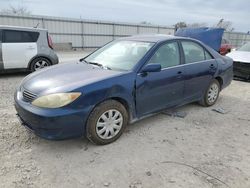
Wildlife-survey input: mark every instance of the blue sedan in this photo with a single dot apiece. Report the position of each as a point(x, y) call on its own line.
point(120, 83)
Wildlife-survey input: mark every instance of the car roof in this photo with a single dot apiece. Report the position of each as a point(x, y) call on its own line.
point(21, 28)
point(151, 38)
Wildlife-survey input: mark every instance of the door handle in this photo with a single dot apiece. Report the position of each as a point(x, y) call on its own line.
point(179, 74)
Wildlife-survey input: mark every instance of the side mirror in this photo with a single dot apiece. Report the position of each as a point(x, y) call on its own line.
point(151, 68)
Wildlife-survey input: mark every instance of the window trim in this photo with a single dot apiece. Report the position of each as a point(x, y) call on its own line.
point(159, 46)
point(182, 65)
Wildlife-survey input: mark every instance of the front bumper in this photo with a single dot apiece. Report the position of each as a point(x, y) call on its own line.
point(242, 70)
point(53, 124)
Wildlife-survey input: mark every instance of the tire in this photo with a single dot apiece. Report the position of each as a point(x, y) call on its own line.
point(40, 61)
point(100, 124)
point(209, 97)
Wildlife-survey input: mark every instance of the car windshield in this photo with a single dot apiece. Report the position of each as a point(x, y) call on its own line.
point(119, 55)
point(245, 47)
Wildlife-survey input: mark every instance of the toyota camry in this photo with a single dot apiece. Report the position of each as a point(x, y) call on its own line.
point(124, 81)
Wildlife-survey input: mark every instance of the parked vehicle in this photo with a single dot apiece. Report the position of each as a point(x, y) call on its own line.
point(241, 58)
point(25, 48)
point(120, 83)
point(226, 47)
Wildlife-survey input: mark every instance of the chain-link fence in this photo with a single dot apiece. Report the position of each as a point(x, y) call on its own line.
point(237, 39)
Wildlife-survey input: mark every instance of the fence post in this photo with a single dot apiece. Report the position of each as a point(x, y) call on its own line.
point(138, 31)
point(113, 31)
point(43, 24)
point(82, 33)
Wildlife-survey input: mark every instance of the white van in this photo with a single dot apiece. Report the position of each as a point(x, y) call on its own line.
point(25, 48)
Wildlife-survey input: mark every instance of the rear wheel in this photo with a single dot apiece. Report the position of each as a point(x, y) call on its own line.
point(39, 63)
point(106, 122)
point(212, 94)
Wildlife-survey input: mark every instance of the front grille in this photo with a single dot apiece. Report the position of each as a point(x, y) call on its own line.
point(243, 67)
point(28, 96)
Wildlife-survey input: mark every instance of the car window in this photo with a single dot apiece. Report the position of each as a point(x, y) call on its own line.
point(245, 47)
point(193, 52)
point(167, 55)
point(207, 55)
point(13, 36)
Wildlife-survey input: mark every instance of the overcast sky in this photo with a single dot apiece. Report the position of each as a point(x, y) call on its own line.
point(162, 12)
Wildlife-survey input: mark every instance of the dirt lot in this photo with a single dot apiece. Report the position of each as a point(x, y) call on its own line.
point(204, 149)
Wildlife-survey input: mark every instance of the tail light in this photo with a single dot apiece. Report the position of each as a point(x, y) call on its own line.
point(50, 43)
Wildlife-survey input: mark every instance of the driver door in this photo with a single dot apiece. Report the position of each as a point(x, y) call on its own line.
point(158, 90)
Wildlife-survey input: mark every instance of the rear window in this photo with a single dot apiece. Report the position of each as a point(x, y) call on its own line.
point(208, 56)
point(193, 52)
point(13, 36)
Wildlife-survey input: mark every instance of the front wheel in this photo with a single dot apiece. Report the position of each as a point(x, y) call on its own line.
point(212, 93)
point(106, 122)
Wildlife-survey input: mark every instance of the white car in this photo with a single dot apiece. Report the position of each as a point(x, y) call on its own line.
point(241, 58)
point(25, 48)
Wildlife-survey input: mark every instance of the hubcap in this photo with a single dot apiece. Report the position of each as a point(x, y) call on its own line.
point(41, 64)
point(213, 93)
point(109, 124)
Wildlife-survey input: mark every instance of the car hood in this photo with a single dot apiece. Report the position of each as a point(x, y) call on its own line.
point(65, 77)
point(240, 56)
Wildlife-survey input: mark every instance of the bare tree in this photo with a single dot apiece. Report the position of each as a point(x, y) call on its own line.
point(20, 10)
point(180, 25)
point(227, 25)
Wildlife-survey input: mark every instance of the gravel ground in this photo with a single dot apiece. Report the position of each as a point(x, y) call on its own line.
point(204, 149)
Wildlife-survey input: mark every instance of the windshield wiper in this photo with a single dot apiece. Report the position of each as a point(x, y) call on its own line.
point(94, 63)
point(97, 64)
point(82, 59)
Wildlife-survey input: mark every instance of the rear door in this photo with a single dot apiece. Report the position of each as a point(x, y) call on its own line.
point(158, 90)
point(200, 68)
point(18, 48)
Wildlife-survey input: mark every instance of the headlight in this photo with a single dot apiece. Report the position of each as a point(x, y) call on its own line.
point(56, 100)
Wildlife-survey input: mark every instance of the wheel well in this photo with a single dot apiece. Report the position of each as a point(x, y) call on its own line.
point(29, 67)
point(123, 102)
point(219, 79)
